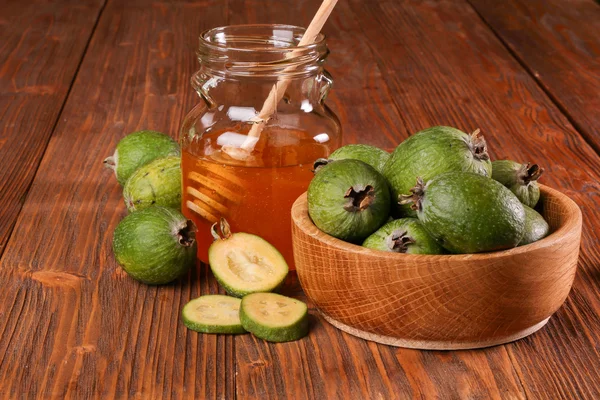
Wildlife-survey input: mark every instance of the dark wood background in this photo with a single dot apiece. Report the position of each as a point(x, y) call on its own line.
point(78, 75)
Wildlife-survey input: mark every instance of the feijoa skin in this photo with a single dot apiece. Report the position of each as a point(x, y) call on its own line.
point(155, 245)
point(404, 235)
point(371, 155)
point(156, 183)
point(521, 179)
point(536, 227)
point(468, 213)
point(138, 149)
point(432, 152)
point(348, 199)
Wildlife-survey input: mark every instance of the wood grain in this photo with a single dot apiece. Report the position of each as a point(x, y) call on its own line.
point(40, 50)
point(74, 325)
point(444, 66)
point(445, 302)
point(557, 41)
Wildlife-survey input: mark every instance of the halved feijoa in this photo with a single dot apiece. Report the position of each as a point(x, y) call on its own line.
point(431, 152)
point(138, 149)
point(273, 317)
point(521, 179)
point(244, 263)
point(348, 199)
point(374, 156)
point(155, 245)
point(213, 314)
point(404, 235)
point(468, 213)
point(156, 183)
point(536, 227)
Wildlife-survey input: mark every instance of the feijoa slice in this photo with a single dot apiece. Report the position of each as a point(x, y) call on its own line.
point(348, 199)
point(536, 227)
point(213, 314)
point(156, 183)
point(404, 235)
point(521, 179)
point(138, 149)
point(371, 155)
point(244, 263)
point(155, 245)
point(273, 317)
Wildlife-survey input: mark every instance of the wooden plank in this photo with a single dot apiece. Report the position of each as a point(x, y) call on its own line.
point(558, 43)
point(315, 366)
point(40, 50)
point(73, 324)
point(444, 66)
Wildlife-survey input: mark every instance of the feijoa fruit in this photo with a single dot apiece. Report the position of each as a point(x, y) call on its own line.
point(156, 183)
point(348, 199)
point(138, 149)
point(404, 235)
point(521, 179)
point(467, 212)
point(536, 227)
point(371, 155)
point(155, 245)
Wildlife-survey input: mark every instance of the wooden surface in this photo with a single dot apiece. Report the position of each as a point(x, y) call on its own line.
point(438, 302)
point(78, 76)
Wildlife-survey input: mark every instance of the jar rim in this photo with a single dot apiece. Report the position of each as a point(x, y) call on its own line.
point(209, 33)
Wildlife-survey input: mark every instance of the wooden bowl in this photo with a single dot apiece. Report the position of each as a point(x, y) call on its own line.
point(440, 302)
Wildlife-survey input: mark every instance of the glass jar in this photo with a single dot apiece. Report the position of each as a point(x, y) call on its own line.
point(243, 157)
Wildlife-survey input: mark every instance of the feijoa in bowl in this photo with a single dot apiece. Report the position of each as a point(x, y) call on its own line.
point(456, 301)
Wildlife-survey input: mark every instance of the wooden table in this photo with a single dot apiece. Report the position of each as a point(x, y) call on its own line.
point(77, 75)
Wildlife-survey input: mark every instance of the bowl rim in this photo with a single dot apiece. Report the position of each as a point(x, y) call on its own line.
point(573, 222)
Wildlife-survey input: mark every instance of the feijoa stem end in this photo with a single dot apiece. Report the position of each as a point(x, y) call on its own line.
point(109, 162)
point(529, 173)
point(398, 241)
point(359, 199)
point(319, 163)
point(187, 235)
point(479, 146)
point(224, 231)
point(415, 197)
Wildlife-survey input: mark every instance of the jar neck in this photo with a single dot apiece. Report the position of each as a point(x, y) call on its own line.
point(260, 52)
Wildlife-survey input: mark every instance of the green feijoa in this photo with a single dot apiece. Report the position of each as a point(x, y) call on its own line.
point(138, 149)
point(156, 183)
point(431, 152)
point(404, 235)
point(536, 227)
point(521, 179)
point(155, 245)
point(468, 213)
point(371, 155)
point(348, 199)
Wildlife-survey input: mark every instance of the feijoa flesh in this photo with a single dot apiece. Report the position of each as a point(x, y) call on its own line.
point(348, 199)
point(431, 152)
point(156, 183)
point(404, 235)
point(368, 154)
point(138, 149)
point(273, 317)
point(155, 245)
point(521, 179)
point(468, 213)
point(244, 263)
point(536, 227)
point(213, 314)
